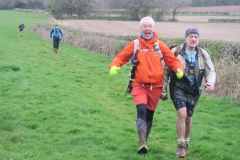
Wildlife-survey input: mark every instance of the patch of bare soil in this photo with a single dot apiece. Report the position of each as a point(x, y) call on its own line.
point(213, 31)
point(202, 18)
point(220, 9)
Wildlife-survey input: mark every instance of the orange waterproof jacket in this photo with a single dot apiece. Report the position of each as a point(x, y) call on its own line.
point(149, 71)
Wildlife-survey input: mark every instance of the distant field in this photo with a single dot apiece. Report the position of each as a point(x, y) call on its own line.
point(213, 31)
point(203, 19)
point(220, 9)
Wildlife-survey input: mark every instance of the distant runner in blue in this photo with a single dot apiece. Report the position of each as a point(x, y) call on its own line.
point(21, 28)
point(56, 34)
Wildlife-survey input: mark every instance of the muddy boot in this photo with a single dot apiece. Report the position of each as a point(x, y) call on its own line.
point(141, 128)
point(181, 150)
point(186, 145)
point(56, 50)
point(149, 126)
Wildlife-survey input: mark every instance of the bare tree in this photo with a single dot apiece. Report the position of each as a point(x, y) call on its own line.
point(111, 4)
point(162, 7)
point(175, 5)
point(77, 7)
point(7, 4)
point(66, 6)
point(35, 4)
point(138, 8)
point(84, 7)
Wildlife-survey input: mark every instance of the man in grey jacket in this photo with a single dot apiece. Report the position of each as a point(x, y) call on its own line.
point(185, 92)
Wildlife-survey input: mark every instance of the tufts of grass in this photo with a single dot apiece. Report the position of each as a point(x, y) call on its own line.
point(66, 106)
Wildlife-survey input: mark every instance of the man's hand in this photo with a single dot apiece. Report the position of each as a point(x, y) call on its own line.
point(179, 73)
point(113, 70)
point(164, 96)
point(208, 88)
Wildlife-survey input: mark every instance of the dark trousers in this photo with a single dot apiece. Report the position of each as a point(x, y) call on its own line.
point(56, 42)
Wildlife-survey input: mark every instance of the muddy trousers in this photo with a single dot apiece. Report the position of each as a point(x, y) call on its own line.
point(144, 123)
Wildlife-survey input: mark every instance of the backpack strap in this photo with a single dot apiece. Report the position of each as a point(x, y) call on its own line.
point(136, 47)
point(157, 49)
point(134, 62)
point(177, 49)
point(57, 33)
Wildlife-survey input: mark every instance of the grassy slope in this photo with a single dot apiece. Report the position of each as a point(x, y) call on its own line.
point(66, 106)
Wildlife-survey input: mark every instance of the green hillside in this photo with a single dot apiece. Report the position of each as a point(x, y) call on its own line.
point(66, 106)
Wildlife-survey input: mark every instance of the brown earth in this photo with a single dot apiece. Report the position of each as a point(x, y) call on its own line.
point(213, 31)
point(202, 18)
point(220, 9)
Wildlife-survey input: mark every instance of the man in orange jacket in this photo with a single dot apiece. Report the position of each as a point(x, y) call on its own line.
point(147, 84)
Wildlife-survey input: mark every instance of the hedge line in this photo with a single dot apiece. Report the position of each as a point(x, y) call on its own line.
point(224, 20)
point(225, 55)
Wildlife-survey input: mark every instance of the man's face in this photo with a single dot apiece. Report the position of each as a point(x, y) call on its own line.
point(192, 40)
point(56, 27)
point(147, 29)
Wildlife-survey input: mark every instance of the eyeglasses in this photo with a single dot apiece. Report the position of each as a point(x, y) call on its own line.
point(146, 27)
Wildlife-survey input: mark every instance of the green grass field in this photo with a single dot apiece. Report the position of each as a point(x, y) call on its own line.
point(67, 107)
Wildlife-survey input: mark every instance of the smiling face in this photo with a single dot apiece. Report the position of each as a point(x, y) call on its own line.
point(146, 27)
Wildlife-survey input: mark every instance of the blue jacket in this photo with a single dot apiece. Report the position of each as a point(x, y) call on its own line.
point(56, 34)
point(21, 26)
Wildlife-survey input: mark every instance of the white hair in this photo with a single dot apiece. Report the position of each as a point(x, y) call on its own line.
point(146, 18)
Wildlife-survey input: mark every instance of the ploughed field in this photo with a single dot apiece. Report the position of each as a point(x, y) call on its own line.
point(213, 9)
point(213, 31)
